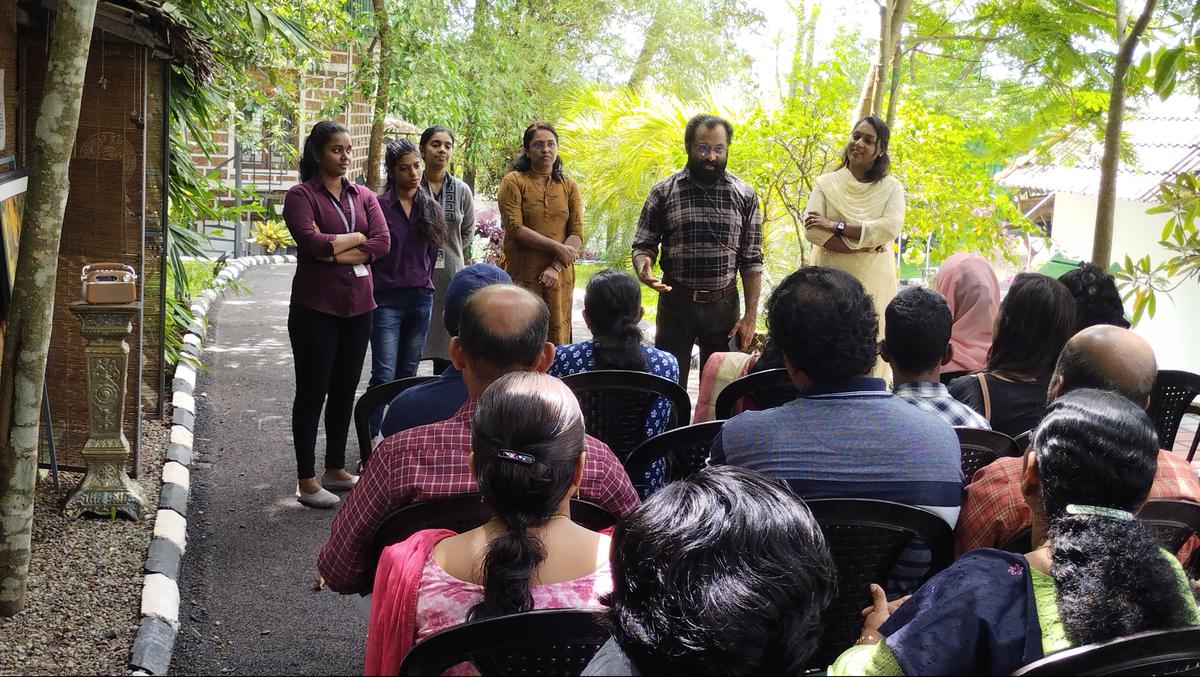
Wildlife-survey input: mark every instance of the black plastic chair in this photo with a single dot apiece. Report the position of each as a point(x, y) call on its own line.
point(1193, 408)
point(1159, 652)
point(378, 396)
point(865, 538)
point(685, 450)
point(1173, 392)
point(765, 389)
point(440, 364)
point(617, 403)
point(1173, 522)
point(545, 642)
point(980, 447)
point(463, 512)
point(1023, 441)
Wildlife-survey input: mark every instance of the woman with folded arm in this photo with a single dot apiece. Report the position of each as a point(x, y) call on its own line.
point(339, 231)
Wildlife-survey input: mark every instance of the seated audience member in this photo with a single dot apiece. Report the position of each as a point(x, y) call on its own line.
point(972, 291)
point(1036, 319)
point(612, 307)
point(723, 573)
point(528, 456)
point(503, 329)
point(1097, 300)
point(1104, 357)
point(916, 344)
point(846, 436)
point(1097, 573)
point(437, 400)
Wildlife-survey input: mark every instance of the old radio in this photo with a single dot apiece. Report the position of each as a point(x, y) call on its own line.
point(109, 283)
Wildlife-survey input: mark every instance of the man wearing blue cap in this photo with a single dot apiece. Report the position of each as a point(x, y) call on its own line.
point(437, 400)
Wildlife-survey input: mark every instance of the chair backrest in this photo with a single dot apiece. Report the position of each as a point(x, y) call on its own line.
point(616, 405)
point(464, 512)
point(685, 450)
point(544, 642)
point(865, 538)
point(767, 388)
point(1173, 392)
point(1172, 522)
point(376, 397)
point(1023, 441)
point(1159, 652)
point(980, 447)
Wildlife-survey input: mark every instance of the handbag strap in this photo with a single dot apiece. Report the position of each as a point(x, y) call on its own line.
point(987, 400)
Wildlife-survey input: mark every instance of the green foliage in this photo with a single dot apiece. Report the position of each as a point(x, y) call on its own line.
point(1140, 279)
point(271, 235)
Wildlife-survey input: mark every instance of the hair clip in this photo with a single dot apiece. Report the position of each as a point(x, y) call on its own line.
point(516, 456)
point(1100, 511)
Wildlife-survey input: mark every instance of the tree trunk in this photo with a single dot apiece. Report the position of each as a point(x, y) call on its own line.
point(894, 89)
point(650, 47)
point(1106, 201)
point(23, 371)
point(382, 88)
point(892, 15)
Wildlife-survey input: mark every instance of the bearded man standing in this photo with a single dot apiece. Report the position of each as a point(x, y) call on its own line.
point(709, 227)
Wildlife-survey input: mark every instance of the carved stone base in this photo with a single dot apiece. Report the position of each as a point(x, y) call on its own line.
point(105, 486)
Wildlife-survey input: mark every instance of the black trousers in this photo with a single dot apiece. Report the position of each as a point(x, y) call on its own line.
point(328, 352)
point(682, 322)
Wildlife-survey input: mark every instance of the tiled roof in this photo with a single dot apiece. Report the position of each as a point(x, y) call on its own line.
point(1162, 136)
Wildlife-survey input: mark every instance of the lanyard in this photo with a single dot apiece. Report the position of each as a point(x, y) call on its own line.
point(350, 226)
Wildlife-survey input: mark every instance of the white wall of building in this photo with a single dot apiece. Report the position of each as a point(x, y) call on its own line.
point(1175, 330)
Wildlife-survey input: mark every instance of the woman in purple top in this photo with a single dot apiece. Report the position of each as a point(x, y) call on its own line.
point(339, 231)
point(404, 276)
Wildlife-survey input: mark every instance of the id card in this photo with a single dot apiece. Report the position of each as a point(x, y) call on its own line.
point(441, 259)
point(361, 270)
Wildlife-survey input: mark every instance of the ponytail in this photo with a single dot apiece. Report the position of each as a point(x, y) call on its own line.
point(1097, 454)
point(1113, 579)
point(526, 435)
point(613, 301)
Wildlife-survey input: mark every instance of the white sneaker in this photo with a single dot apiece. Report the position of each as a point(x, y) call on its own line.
point(322, 499)
point(339, 485)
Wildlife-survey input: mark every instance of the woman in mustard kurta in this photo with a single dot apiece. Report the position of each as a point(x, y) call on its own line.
point(542, 215)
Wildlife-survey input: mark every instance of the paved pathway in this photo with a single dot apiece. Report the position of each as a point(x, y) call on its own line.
point(248, 604)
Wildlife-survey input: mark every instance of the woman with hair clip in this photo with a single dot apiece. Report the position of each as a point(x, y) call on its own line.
point(527, 440)
point(458, 212)
point(404, 276)
point(855, 213)
point(1035, 320)
point(339, 231)
point(542, 215)
point(612, 308)
point(1098, 574)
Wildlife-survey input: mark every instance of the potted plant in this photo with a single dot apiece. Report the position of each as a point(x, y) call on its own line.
point(271, 235)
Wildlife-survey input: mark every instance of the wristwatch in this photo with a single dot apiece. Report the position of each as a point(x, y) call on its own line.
point(840, 228)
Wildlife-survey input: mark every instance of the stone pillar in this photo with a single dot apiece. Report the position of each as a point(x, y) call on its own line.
point(105, 485)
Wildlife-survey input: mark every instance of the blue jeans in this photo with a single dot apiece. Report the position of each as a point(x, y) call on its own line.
point(398, 337)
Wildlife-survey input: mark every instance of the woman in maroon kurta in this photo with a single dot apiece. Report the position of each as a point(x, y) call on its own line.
point(339, 230)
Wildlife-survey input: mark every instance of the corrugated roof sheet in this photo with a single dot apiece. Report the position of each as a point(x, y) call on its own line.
point(1164, 137)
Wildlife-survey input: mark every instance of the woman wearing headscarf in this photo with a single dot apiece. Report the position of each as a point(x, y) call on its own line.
point(973, 294)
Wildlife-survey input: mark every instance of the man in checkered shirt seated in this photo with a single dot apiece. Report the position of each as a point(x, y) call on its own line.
point(916, 343)
point(502, 329)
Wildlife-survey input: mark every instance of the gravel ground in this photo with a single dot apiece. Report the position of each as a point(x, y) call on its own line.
point(85, 585)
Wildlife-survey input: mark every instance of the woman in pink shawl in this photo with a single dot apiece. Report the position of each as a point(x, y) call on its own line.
point(973, 293)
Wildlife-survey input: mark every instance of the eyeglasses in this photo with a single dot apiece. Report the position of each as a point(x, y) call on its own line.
point(544, 145)
point(703, 148)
